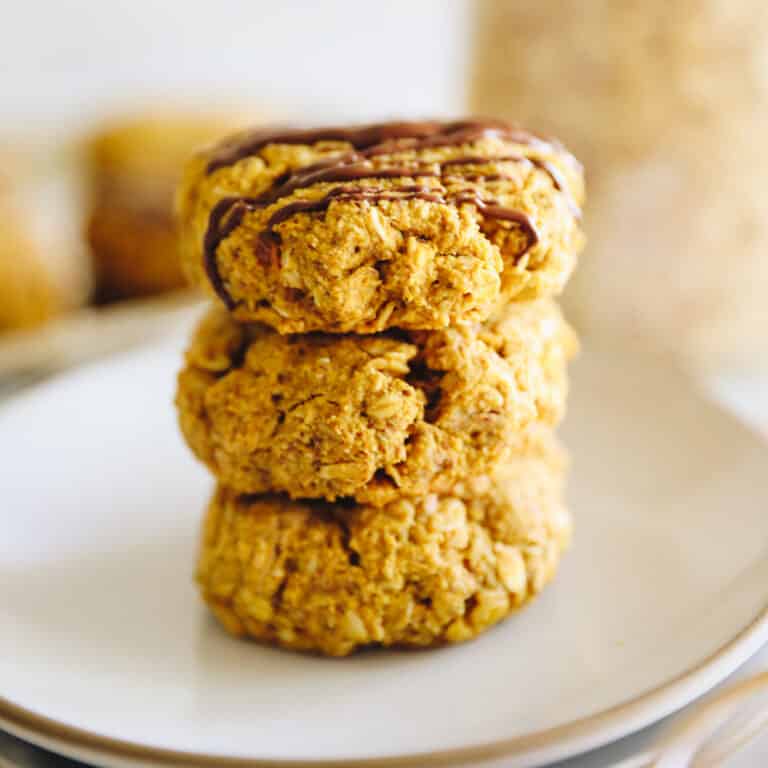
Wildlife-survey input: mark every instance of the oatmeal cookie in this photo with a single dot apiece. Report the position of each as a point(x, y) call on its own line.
point(337, 577)
point(27, 291)
point(133, 169)
point(410, 225)
point(134, 253)
point(369, 416)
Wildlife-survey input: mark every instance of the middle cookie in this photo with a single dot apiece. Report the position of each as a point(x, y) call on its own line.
point(369, 417)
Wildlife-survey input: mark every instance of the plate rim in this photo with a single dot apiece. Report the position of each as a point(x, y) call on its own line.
point(556, 743)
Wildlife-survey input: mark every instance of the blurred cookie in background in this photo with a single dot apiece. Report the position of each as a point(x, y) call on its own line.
point(132, 167)
point(42, 265)
point(26, 290)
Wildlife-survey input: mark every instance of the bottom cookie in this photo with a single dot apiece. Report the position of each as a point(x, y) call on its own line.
point(337, 577)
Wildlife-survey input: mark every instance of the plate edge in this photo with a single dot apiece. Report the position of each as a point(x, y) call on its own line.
point(568, 739)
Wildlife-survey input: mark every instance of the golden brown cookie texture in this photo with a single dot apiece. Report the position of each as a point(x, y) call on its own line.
point(410, 225)
point(133, 168)
point(134, 253)
point(337, 577)
point(374, 416)
point(27, 292)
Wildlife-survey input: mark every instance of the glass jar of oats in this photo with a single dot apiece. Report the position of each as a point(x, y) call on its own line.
point(666, 103)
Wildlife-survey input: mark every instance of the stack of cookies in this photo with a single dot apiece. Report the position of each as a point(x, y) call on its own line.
point(377, 382)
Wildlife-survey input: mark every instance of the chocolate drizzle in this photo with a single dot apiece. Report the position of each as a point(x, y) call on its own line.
point(374, 139)
point(550, 169)
point(345, 168)
point(354, 165)
point(218, 229)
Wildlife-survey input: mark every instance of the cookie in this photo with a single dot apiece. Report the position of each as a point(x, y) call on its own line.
point(43, 267)
point(134, 254)
point(27, 291)
point(133, 169)
point(359, 229)
point(337, 577)
point(369, 416)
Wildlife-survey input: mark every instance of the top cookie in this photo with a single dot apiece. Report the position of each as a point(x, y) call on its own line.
point(420, 225)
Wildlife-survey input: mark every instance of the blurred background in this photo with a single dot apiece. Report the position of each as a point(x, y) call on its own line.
point(665, 103)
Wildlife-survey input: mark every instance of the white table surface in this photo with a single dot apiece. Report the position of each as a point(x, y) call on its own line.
point(747, 396)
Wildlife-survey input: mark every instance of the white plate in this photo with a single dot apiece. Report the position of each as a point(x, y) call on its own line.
point(106, 653)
